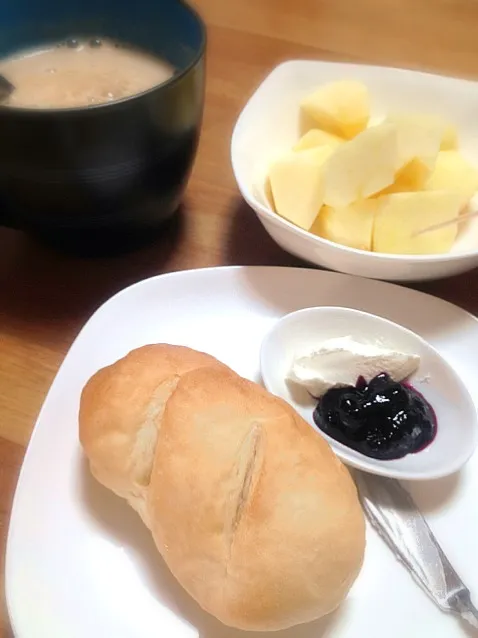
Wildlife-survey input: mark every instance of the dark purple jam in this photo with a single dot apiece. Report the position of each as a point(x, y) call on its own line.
point(382, 419)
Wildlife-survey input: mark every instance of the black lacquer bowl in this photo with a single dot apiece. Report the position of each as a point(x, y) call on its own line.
point(102, 178)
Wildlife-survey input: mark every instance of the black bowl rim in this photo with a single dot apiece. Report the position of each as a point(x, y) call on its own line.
point(177, 77)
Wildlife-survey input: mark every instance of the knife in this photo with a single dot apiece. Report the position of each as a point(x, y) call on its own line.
point(395, 516)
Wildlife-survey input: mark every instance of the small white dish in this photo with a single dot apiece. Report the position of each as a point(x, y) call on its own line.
point(298, 333)
point(270, 124)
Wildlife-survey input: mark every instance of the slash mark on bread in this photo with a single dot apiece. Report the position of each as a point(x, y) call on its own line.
point(147, 435)
point(245, 472)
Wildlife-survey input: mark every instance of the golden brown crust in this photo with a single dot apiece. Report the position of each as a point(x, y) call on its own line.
point(297, 544)
point(121, 409)
point(250, 508)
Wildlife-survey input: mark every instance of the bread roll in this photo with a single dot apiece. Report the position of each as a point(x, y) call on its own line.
point(251, 510)
point(121, 409)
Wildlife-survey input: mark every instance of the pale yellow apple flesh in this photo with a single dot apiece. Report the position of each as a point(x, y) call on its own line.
point(317, 137)
point(297, 187)
point(350, 226)
point(401, 216)
point(453, 172)
point(341, 108)
point(375, 187)
point(362, 167)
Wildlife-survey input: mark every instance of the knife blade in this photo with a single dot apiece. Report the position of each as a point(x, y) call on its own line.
point(395, 516)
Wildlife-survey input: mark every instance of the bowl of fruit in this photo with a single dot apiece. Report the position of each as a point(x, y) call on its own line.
point(366, 170)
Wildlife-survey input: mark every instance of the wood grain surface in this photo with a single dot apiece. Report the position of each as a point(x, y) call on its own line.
point(46, 298)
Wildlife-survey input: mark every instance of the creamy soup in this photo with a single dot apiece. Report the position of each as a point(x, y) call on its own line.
point(81, 73)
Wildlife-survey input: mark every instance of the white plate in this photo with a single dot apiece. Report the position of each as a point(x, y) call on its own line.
point(79, 561)
point(270, 124)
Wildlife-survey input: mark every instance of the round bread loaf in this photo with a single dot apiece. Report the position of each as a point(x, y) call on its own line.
point(250, 508)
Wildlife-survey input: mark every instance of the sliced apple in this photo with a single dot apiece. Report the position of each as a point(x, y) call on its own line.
point(401, 216)
point(453, 172)
point(350, 226)
point(449, 139)
point(341, 108)
point(362, 167)
point(297, 187)
point(419, 137)
point(430, 125)
point(411, 177)
point(268, 193)
point(317, 137)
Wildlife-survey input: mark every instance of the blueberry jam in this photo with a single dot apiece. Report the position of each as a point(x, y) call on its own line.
point(382, 419)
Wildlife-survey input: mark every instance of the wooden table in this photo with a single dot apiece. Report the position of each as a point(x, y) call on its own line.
point(45, 298)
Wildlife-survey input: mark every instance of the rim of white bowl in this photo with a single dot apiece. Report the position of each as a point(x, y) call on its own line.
point(355, 311)
point(400, 257)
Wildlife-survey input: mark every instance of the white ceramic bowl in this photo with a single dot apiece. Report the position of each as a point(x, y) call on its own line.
point(457, 434)
point(270, 124)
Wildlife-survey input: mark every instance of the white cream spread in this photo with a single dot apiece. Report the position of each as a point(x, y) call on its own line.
point(340, 361)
